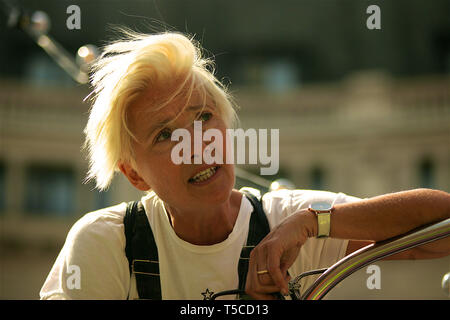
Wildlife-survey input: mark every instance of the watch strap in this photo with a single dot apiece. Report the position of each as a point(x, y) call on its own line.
point(323, 224)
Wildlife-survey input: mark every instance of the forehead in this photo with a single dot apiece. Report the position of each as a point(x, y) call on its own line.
point(147, 112)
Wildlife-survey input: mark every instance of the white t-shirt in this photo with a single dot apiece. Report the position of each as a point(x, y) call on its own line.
point(93, 265)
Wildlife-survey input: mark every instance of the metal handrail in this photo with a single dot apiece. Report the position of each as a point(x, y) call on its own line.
point(374, 252)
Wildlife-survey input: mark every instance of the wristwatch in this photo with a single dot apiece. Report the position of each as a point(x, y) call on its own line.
point(322, 209)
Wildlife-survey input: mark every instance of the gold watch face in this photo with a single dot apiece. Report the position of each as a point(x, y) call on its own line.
point(321, 206)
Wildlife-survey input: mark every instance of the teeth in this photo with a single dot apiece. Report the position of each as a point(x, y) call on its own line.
point(204, 175)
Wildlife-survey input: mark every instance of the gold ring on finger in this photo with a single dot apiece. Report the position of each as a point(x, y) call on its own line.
point(262, 272)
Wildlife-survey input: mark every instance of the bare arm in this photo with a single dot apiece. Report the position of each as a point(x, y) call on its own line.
point(383, 217)
point(386, 216)
point(374, 219)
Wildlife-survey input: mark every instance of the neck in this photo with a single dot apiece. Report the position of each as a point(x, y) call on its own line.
point(208, 225)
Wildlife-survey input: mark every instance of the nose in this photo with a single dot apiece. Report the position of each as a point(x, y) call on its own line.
point(198, 145)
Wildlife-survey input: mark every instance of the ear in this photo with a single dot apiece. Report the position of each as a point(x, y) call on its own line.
point(134, 178)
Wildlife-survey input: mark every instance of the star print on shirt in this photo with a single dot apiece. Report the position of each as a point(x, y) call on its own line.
point(207, 294)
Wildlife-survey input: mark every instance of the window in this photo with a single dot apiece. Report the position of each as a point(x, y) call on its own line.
point(274, 73)
point(317, 178)
point(280, 74)
point(2, 187)
point(426, 173)
point(42, 70)
point(50, 190)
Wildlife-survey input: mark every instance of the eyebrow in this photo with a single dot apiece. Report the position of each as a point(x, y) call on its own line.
point(163, 123)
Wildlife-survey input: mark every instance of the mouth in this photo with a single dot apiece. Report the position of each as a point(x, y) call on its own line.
point(204, 175)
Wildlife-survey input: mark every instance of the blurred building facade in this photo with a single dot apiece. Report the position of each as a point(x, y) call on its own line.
point(368, 134)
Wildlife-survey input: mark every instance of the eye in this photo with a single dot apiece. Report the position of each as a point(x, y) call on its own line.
point(163, 135)
point(205, 116)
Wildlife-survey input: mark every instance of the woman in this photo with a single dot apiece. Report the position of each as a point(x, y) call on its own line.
point(148, 86)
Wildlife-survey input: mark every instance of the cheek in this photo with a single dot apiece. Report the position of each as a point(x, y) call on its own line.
point(153, 166)
point(220, 125)
point(228, 149)
point(161, 170)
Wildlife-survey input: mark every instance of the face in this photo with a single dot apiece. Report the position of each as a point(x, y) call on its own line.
point(179, 185)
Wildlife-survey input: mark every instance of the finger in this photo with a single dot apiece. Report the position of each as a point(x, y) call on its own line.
point(252, 281)
point(278, 277)
point(259, 286)
point(256, 290)
point(266, 289)
point(263, 279)
point(287, 261)
point(261, 292)
point(262, 255)
point(259, 296)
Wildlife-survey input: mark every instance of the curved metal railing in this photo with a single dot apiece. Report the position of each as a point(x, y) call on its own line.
point(374, 252)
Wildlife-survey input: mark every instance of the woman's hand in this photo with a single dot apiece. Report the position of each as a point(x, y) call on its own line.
point(272, 257)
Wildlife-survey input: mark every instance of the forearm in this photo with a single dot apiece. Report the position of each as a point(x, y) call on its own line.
point(389, 215)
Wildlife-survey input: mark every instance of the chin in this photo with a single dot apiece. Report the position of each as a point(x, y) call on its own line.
point(217, 195)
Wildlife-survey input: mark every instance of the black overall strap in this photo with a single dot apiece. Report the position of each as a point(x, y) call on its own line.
point(257, 230)
point(142, 252)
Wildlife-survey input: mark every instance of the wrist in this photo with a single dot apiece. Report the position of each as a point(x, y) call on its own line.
point(308, 223)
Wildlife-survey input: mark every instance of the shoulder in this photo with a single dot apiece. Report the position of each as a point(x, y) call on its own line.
point(98, 225)
point(108, 222)
point(282, 203)
point(95, 246)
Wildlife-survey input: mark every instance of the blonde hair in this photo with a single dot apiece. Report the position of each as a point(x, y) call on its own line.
point(168, 64)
